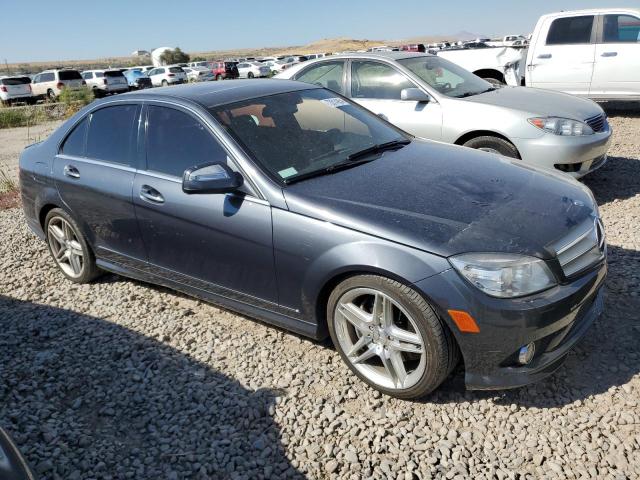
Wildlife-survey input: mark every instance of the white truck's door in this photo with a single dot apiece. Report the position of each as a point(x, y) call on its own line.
point(562, 54)
point(616, 72)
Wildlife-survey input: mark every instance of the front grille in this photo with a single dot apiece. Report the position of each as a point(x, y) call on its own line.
point(582, 248)
point(596, 123)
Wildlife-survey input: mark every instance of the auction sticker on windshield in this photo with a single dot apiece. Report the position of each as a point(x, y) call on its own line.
point(287, 172)
point(335, 102)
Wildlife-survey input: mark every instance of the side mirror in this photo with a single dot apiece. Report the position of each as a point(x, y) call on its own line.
point(211, 178)
point(12, 464)
point(414, 95)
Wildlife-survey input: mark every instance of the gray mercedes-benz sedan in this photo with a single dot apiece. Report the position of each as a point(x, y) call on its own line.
point(434, 98)
point(294, 205)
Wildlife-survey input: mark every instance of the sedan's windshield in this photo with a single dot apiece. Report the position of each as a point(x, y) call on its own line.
point(297, 134)
point(446, 77)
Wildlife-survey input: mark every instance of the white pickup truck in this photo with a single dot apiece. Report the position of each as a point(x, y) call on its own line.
point(591, 53)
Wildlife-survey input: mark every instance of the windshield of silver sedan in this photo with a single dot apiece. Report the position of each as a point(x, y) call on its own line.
point(301, 134)
point(446, 77)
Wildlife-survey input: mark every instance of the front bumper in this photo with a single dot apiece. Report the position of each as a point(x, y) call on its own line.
point(575, 156)
point(555, 320)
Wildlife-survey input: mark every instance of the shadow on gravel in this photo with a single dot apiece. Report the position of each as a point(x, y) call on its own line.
point(621, 109)
point(608, 355)
point(618, 179)
point(83, 398)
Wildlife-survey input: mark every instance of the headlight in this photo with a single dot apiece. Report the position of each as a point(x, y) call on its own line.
point(504, 275)
point(561, 126)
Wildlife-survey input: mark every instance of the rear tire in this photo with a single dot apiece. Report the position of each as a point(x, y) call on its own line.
point(496, 145)
point(250, 75)
point(218, 77)
point(165, 83)
point(68, 247)
point(51, 96)
point(404, 350)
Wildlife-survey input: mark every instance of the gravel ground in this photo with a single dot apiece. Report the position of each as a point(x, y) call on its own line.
point(120, 379)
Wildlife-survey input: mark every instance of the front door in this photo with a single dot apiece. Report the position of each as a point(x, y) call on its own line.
point(377, 87)
point(94, 172)
point(616, 72)
point(563, 55)
point(221, 243)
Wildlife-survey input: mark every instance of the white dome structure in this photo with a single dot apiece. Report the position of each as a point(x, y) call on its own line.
point(156, 54)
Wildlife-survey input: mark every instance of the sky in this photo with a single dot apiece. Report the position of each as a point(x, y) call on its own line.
point(37, 30)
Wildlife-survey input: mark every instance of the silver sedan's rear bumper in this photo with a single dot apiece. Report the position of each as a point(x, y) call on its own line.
point(576, 156)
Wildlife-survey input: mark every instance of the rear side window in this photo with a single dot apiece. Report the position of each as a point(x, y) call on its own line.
point(621, 29)
point(570, 31)
point(47, 77)
point(177, 141)
point(327, 75)
point(74, 144)
point(15, 81)
point(69, 75)
point(175, 70)
point(112, 134)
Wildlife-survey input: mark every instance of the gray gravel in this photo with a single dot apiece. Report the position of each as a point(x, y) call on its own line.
point(121, 379)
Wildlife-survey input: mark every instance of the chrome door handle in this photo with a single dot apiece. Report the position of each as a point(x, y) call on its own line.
point(71, 171)
point(545, 55)
point(609, 54)
point(151, 194)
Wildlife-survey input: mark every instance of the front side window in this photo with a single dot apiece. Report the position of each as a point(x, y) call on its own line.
point(377, 80)
point(74, 144)
point(296, 134)
point(177, 141)
point(445, 77)
point(621, 29)
point(112, 134)
point(570, 30)
point(327, 75)
point(87, 75)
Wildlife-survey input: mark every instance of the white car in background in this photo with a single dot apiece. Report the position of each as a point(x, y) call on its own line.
point(103, 82)
point(198, 74)
point(50, 83)
point(253, 70)
point(15, 89)
point(276, 66)
point(165, 76)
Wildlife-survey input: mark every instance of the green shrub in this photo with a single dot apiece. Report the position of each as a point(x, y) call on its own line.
point(82, 95)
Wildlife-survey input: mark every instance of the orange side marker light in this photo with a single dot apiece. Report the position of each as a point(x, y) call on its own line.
point(464, 321)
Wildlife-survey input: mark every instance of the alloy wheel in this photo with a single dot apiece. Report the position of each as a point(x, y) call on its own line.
point(380, 339)
point(65, 247)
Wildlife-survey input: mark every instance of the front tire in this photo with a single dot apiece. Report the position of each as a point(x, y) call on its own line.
point(496, 145)
point(69, 248)
point(389, 336)
point(250, 75)
point(165, 83)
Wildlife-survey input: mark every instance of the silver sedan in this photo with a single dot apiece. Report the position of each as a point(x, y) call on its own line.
point(433, 98)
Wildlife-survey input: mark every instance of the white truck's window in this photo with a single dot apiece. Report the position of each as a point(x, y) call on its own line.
point(570, 30)
point(621, 29)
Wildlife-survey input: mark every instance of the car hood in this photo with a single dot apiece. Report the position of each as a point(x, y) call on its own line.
point(448, 200)
point(539, 102)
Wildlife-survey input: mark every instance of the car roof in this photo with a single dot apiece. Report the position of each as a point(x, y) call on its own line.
point(592, 11)
point(213, 94)
point(378, 55)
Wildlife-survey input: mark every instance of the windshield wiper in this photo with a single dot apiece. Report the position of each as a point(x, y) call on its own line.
point(328, 170)
point(380, 147)
point(470, 94)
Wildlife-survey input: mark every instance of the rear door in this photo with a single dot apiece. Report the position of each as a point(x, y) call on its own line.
point(218, 242)
point(563, 55)
point(94, 172)
point(71, 78)
point(377, 87)
point(616, 72)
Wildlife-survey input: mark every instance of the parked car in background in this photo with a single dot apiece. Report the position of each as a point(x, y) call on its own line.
point(15, 89)
point(103, 82)
point(592, 53)
point(313, 56)
point(223, 70)
point(431, 97)
point(276, 66)
point(413, 47)
point(164, 76)
point(289, 203)
point(50, 83)
point(199, 74)
point(137, 80)
point(253, 70)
